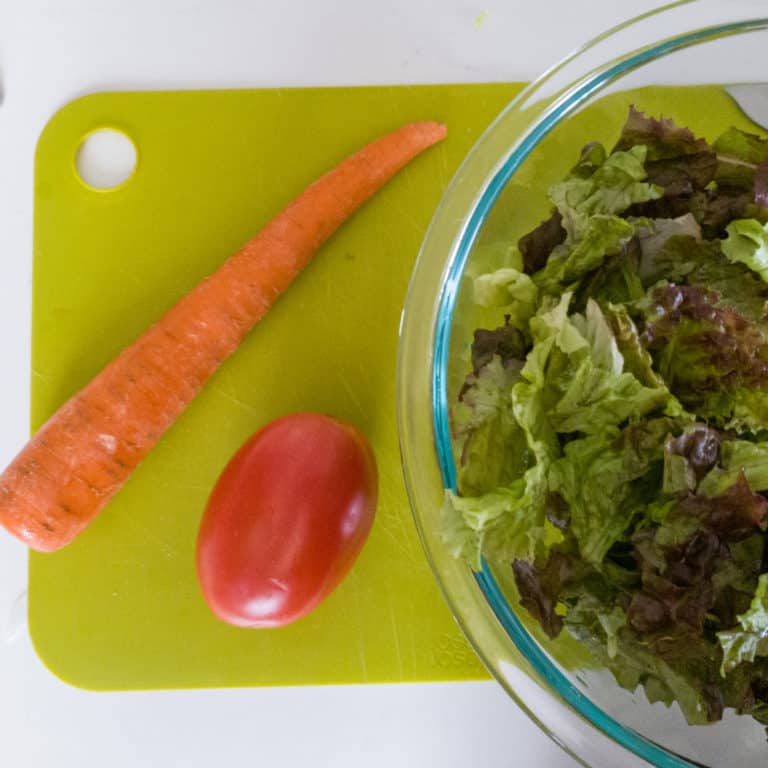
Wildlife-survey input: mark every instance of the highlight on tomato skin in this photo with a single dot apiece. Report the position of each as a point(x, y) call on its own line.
point(286, 520)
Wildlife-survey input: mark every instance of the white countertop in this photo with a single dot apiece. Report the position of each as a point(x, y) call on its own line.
point(52, 51)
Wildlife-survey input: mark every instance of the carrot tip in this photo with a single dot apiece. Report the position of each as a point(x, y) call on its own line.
point(431, 131)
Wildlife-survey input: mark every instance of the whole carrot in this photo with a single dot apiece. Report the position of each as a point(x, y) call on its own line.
point(79, 459)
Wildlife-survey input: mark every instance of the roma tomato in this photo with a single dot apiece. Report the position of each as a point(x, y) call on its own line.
point(286, 520)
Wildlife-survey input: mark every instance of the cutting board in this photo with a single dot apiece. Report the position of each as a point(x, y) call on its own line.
point(120, 608)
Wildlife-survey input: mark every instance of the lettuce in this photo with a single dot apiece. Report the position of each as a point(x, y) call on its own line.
point(706, 354)
point(690, 457)
point(588, 203)
point(702, 263)
point(663, 139)
point(493, 451)
point(576, 362)
point(637, 359)
point(603, 236)
point(715, 184)
point(497, 525)
point(747, 242)
point(738, 457)
point(612, 435)
point(538, 244)
point(750, 639)
point(677, 161)
point(607, 480)
point(511, 289)
point(616, 280)
point(739, 154)
point(502, 525)
point(612, 187)
point(654, 235)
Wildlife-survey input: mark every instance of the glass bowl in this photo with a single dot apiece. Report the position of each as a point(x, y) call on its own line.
point(674, 61)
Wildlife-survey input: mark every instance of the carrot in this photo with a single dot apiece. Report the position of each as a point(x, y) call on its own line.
point(83, 454)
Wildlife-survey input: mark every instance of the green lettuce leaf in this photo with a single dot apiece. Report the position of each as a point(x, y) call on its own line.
point(576, 361)
point(506, 522)
point(615, 281)
point(739, 154)
point(468, 520)
point(656, 263)
point(679, 477)
point(494, 451)
point(747, 242)
point(602, 236)
point(597, 478)
point(574, 381)
point(738, 457)
point(528, 408)
point(592, 156)
point(748, 411)
point(604, 621)
point(588, 204)
point(504, 525)
point(749, 640)
point(614, 186)
point(637, 359)
point(552, 333)
point(511, 289)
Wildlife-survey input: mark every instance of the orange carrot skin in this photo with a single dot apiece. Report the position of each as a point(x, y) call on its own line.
point(84, 453)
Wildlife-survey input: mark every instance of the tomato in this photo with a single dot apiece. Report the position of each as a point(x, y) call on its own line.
point(286, 520)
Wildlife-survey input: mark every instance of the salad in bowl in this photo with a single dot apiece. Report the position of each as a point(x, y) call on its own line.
point(612, 430)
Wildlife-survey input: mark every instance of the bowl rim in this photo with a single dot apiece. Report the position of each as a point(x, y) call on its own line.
point(453, 274)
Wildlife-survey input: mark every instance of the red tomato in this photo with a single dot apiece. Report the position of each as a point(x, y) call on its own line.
point(286, 520)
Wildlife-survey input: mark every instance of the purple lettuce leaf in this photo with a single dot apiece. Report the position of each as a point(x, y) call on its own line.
point(704, 353)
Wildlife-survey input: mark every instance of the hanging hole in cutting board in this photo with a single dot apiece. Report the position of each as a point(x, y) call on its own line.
point(105, 159)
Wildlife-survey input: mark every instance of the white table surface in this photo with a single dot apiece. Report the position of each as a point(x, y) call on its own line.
point(54, 50)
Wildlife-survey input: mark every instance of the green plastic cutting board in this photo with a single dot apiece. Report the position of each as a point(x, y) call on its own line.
point(120, 607)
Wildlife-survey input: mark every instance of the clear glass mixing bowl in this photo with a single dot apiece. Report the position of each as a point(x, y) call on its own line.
point(674, 61)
